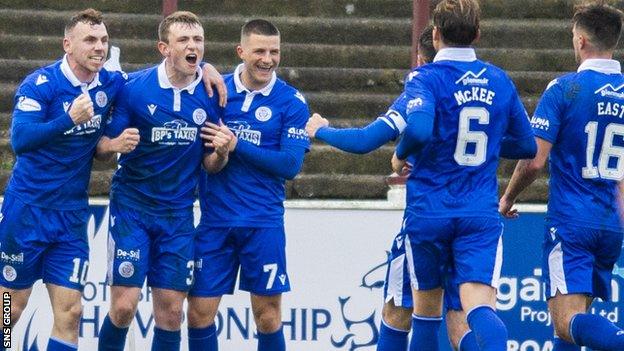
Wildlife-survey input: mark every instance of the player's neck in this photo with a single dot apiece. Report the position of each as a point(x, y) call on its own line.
point(83, 74)
point(249, 83)
point(176, 78)
point(596, 56)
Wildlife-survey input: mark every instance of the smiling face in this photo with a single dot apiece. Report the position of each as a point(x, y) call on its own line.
point(86, 46)
point(184, 49)
point(261, 57)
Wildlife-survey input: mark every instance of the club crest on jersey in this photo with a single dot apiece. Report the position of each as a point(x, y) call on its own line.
point(470, 78)
point(609, 90)
point(199, 116)
point(9, 273)
point(176, 132)
point(101, 99)
point(126, 269)
point(263, 113)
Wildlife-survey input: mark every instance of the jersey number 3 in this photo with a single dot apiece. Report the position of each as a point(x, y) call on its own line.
point(465, 136)
point(608, 151)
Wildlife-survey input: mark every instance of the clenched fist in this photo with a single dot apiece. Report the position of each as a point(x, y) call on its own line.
point(126, 142)
point(81, 110)
point(315, 123)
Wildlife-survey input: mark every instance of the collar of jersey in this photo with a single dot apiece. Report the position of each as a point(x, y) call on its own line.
point(240, 87)
point(164, 82)
point(456, 54)
point(71, 77)
point(601, 65)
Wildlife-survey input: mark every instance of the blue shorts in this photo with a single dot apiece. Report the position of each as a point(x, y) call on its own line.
point(39, 243)
point(397, 287)
point(447, 252)
point(259, 252)
point(157, 247)
point(578, 260)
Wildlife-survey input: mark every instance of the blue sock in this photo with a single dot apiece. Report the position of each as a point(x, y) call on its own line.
point(203, 339)
point(111, 338)
point(391, 339)
point(425, 333)
point(55, 344)
point(272, 342)
point(562, 345)
point(596, 332)
point(489, 329)
point(165, 340)
point(468, 342)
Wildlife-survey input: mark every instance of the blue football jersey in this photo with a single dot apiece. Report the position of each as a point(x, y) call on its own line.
point(160, 176)
point(581, 115)
point(241, 194)
point(475, 105)
point(56, 175)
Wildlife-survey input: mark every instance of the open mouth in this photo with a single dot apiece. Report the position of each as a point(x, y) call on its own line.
point(265, 69)
point(97, 59)
point(191, 58)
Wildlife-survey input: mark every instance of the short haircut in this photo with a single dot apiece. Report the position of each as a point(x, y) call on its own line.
point(425, 44)
point(183, 17)
point(260, 27)
point(601, 22)
point(89, 16)
point(457, 21)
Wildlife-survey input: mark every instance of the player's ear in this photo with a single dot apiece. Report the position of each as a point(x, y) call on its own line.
point(67, 45)
point(477, 37)
point(436, 38)
point(239, 51)
point(163, 48)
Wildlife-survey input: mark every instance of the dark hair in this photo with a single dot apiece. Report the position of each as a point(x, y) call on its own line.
point(425, 44)
point(183, 17)
point(259, 26)
point(89, 16)
point(457, 21)
point(601, 22)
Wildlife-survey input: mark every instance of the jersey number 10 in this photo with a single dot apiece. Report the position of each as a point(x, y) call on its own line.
point(608, 151)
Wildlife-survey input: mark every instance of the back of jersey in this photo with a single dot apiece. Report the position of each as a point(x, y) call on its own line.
point(475, 106)
point(581, 115)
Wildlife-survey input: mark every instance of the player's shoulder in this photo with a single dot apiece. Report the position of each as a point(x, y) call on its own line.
point(288, 93)
point(43, 83)
point(107, 76)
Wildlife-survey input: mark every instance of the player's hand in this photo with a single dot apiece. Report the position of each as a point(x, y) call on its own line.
point(81, 110)
point(219, 137)
point(397, 165)
point(406, 170)
point(505, 208)
point(212, 77)
point(126, 142)
point(315, 123)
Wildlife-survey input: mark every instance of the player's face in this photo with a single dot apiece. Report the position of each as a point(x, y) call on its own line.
point(86, 46)
point(261, 56)
point(185, 48)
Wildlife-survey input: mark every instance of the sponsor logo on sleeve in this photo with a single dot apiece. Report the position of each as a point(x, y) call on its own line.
point(540, 123)
point(27, 104)
point(297, 134)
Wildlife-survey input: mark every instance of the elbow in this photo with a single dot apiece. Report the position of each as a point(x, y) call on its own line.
point(531, 150)
point(18, 147)
point(290, 175)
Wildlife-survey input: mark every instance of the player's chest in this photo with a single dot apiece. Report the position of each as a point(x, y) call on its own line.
point(102, 102)
point(161, 123)
point(259, 124)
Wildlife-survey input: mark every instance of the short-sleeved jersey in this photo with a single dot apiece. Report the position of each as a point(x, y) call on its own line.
point(475, 105)
point(581, 115)
point(56, 175)
point(160, 176)
point(241, 194)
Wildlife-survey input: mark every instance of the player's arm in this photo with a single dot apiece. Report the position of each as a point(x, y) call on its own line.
point(118, 137)
point(519, 140)
point(283, 163)
point(526, 171)
point(30, 128)
point(212, 77)
point(355, 140)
